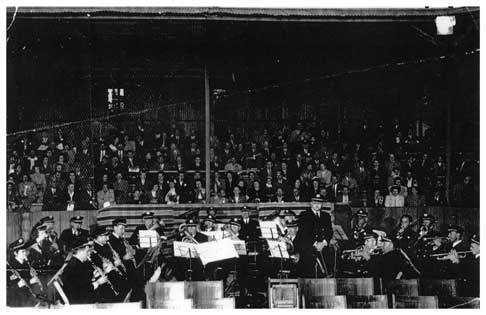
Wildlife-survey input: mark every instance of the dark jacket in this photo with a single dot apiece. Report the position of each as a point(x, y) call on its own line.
point(77, 283)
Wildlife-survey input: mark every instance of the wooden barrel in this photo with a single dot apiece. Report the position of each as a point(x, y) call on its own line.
point(367, 301)
point(355, 286)
point(439, 287)
point(163, 291)
point(405, 301)
point(334, 302)
point(203, 290)
point(285, 295)
point(403, 287)
point(225, 303)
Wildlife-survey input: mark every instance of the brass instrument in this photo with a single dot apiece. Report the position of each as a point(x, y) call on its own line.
point(129, 250)
point(188, 238)
point(459, 254)
point(34, 274)
point(101, 273)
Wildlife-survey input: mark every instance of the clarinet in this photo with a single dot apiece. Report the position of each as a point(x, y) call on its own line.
point(102, 274)
point(33, 273)
point(117, 259)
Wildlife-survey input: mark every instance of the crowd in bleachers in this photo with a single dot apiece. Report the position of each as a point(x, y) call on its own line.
point(373, 166)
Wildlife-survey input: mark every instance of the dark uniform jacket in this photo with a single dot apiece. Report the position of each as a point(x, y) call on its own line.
point(311, 229)
point(393, 263)
point(17, 297)
point(406, 240)
point(248, 232)
point(77, 282)
point(67, 238)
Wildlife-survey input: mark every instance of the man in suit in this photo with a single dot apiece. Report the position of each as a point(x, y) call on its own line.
point(71, 200)
point(73, 234)
point(314, 234)
point(249, 228)
point(105, 197)
point(51, 199)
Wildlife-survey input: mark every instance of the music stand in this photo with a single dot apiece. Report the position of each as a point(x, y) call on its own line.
point(278, 249)
point(268, 229)
point(148, 238)
point(187, 251)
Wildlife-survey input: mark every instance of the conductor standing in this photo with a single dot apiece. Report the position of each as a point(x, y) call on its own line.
point(315, 232)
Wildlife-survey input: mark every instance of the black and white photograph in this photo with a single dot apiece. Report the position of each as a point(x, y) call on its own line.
point(228, 157)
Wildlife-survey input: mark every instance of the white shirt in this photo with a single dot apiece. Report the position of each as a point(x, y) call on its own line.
point(456, 243)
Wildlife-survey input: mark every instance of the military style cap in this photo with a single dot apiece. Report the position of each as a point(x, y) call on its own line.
point(82, 243)
point(77, 219)
point(119, 221)
point(234, 221)
point(191, 222)
point(40, 226)
point(368, 235)
point(427, 216)
point(148, 215)
point(317, 198)
point(386, 239)
point(475, 239)
point(287, 212)
point(48, 219)
point(209, 218)
point(18, 245)
point(245, 209)
point(455, 228)
point(100, 230)
point(362, 213)
point(292, 224)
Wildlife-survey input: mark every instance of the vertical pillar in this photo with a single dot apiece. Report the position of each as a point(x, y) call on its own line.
point(207, 128)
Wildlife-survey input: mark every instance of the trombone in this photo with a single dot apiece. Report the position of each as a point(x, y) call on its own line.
point(459, 254)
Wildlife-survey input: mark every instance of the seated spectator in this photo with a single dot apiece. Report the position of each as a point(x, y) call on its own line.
point(230, 182)
point(172, 196)
point(350, 182)
point(13, 198)
point(70, 199)
point(120, 186)
point(344, 197)
point(27, 191)
point(220, 197)
point(218, 183)
point(464, 193)
point(137, 198)
point(394, 199)
point(394, 174)
point(398, 183)
point(237, 197)
point(88, 198)
point(40, 182)
point(296, 196)
point(377, 199)
point(154, 196)
point(142, 183)
point(105, 197)
point(198, 165)
point(232, 166)
point(324, 174)
point(279, 196)
point(414, 199)
point(268, 190)
point(199, 193)
point(437, 198)
point(255, 193)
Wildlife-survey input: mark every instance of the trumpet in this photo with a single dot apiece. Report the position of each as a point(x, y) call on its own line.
point(459, 254)
point(188, 238)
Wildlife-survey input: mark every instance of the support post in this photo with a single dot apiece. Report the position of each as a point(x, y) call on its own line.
point(207, 127)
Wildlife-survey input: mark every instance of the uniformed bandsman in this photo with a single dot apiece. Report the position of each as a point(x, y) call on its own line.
point(360, 229)
point(39, 258)
point(74, 234)
point(79, 278)
point(23, 287)
point(405, 237)
point(107, 259)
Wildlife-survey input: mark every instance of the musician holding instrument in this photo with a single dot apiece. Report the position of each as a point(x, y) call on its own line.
point(405, 236)
point(79, 278)
point(314, 234)
point(51, 243)
point(107, 260)
point(360, 229)
point(189, 268)
point(23, 287)
point(394, 263)
point(127, 254)
point(149, 223)
point(361, 260)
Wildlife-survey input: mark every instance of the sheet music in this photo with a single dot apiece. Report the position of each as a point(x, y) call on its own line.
point(213, 235)
point(216, 251)
point(278, 249)
point(240, 247)
point(181, 249)
point(268, 229)
point(148, 238)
